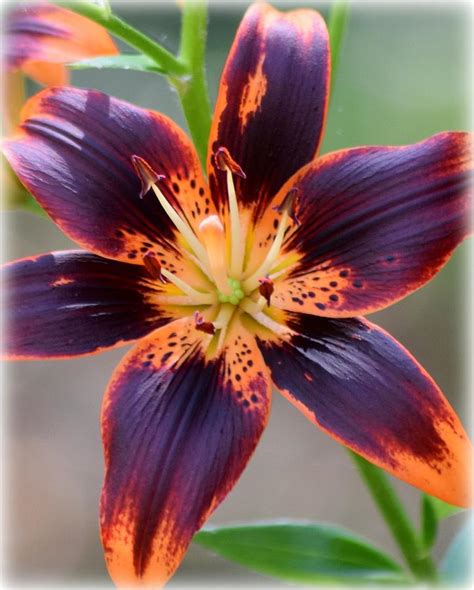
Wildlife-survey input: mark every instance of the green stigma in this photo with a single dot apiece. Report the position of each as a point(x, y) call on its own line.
point(237, 293)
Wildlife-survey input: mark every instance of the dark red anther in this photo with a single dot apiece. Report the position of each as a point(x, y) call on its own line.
point(266, 289)
point(223, 160)
point(153, 266)
point(291, 204)
point(146, 174)
point(203, 326)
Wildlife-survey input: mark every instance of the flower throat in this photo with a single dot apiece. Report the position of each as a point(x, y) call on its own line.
point(218, 250)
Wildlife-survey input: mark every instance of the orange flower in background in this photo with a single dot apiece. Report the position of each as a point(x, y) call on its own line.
point(40, 38)
point(251, 280)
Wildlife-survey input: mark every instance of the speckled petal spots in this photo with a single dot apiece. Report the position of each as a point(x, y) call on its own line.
point(272, 101)
point(178, 426)
point(376, 223)
point(361, 387)
point(73, 303)
point(73, 152)
point(40, 38)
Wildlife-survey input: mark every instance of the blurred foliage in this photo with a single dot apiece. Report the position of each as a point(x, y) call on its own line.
point(308, 553)
point(433, 511)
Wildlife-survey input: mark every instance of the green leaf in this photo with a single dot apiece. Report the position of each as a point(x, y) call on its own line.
point(442, 509)
point(429, 522)
point(31, 204)
point(337, 24)
point(456, 566)
point(303, 552)
point(140, 63)
point(433, 511)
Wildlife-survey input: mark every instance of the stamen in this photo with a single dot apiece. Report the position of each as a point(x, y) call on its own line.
point(146, 174)
point(224, 315)
point(284, 266)
point(212, 234)
point(202, 325)
point(185, 288)
point(251, 306)
point(149, 177)
point(225, 162)
point(199, 264)
point(202, 299)
point(262, 318)
point(222, 321)
point(287, 208)
point(290, 203)
point(266, 289)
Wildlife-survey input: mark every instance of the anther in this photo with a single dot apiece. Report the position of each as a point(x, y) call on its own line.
point(224, 161)
point(148, 177)
point(153, 266)
point(203, 326)
point(290, 204)
point(266, 289)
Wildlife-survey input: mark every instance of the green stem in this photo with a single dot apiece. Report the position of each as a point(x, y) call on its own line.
point(337, 27)
point(186, 72)
point(161, 56)
point(396, 519)
point(193, 91)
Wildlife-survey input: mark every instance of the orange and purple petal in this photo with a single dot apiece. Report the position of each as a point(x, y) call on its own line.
point(272, 101)
point(376, 223)
point(74, 153)
point(73, 303)
point(178, 429)
point(41, 37)
point(361, 387)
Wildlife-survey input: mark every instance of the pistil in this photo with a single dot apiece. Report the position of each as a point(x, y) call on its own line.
point(212, 234)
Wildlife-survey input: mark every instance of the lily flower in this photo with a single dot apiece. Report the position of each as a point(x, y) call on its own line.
point(252, 280)
point(41, 38)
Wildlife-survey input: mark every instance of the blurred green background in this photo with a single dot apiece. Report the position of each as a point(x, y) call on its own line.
point(404, 74)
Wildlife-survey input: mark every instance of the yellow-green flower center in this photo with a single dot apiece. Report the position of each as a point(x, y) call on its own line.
point(236, 294)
